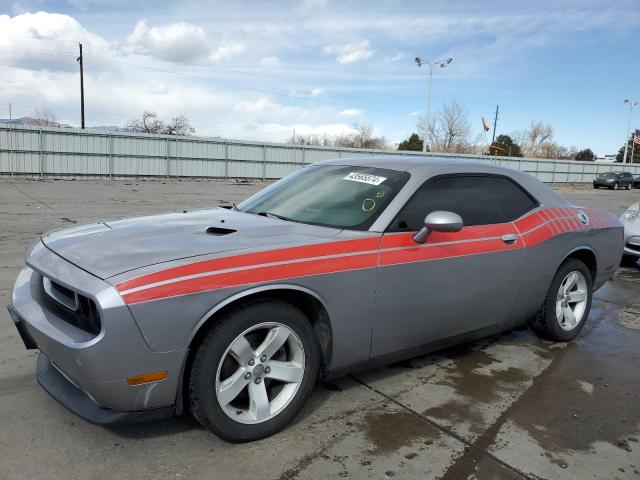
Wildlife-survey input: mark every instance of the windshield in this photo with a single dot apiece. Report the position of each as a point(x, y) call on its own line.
point(329, 195)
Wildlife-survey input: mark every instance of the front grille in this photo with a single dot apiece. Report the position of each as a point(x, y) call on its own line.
point(72, 307)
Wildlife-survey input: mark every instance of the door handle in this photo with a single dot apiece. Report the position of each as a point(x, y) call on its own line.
point(509, 238)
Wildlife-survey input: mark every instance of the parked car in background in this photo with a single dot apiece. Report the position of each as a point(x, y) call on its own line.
point(636, 182)
point(614, 180)
point(631, 233)
point(233, 314)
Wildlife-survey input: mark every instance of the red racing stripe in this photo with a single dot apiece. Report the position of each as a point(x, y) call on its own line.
point(254, 275)
point(369, 252)
point(256, 258)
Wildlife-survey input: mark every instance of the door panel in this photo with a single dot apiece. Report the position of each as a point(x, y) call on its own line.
point(452, 284)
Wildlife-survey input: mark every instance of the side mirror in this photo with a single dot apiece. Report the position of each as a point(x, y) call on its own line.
point(438, 221)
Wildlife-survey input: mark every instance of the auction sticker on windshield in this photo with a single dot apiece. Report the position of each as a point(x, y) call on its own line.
point(365, 178)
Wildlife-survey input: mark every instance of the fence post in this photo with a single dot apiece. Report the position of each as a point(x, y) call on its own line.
point(176, 157)
point(226, 160)
point(264, 162)
point(553, 173)
point(41, 158)
point(304, 151)
point(111, 166)
point(167, 155)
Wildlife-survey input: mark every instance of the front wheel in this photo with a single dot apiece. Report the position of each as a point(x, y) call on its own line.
point(629, 186)
point(567, 304)
point(615, 186)
point(254, 370)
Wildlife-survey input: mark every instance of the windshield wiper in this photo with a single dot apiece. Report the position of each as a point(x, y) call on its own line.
point(235, 207)
point(275, 215)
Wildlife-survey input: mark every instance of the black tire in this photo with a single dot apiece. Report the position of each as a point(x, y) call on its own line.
point(204, 405)
point(628, 186)
point(546, 324)
point(629, 261)
point(596, 187)
point(615, 186)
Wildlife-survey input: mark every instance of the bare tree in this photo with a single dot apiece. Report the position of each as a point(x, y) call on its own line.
point(315, 139)
point(362, 137)
point(449, 130)
point(43, 117)
point(150, 123)
point(538, 141)
point(179, 125)
point(147, 123)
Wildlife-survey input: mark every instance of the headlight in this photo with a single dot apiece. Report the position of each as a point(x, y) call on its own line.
point(632, 212)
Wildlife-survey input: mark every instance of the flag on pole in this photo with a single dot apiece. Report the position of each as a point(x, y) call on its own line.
point(485, 125)
point(636, 137)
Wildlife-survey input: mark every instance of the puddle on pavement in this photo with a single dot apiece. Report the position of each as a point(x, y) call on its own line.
point(629, 317)
point(388, 431)
point(561, 415)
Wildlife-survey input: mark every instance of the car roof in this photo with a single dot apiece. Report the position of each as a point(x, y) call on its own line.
point(423, 167)
point(401, 163)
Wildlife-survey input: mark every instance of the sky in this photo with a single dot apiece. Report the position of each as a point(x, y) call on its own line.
point(258, 70)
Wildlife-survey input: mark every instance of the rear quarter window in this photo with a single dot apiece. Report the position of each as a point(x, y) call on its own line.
point(514, 199)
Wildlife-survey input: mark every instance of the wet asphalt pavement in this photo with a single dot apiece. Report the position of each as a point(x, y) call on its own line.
point(509, 406)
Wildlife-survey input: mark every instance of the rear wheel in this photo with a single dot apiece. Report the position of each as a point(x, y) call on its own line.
point(254, 371)
point(567, 304)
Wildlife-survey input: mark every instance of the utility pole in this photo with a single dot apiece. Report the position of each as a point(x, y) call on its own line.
point(442, 64)
point(626, 137)
point(495, 122)
point(10, 117)
point(80, 59)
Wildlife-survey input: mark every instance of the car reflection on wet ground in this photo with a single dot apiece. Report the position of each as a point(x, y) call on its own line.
point(509, 406)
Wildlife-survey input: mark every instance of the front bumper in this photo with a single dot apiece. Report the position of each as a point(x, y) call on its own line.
point(632, 245)
point(602, 183)
point(94, 367)
point(77, 401)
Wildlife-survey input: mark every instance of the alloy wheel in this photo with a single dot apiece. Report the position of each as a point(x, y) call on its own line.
point(260, 373)
point(571, 300)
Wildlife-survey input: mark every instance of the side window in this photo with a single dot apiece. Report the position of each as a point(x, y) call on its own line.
point(514, 200)
point(471, 197)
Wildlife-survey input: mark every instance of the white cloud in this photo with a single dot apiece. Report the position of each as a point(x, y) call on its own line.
point(225, 52)
point(270, 61)
point(415, 114)
point(351, 112)
point(45, 41)
point(396, 57)
point(350, 52)
point(315, 92)
point(179, 42)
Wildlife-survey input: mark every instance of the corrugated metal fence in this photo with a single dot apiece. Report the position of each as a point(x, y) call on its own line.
point(58, 152)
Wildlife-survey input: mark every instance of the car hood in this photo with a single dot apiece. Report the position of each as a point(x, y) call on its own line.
point(114, 247)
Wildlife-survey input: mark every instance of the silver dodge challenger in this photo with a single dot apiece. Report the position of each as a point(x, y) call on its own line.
point(233, 314)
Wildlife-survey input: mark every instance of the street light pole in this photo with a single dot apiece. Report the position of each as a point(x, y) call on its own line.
point(430, 63)
point(626, 137)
